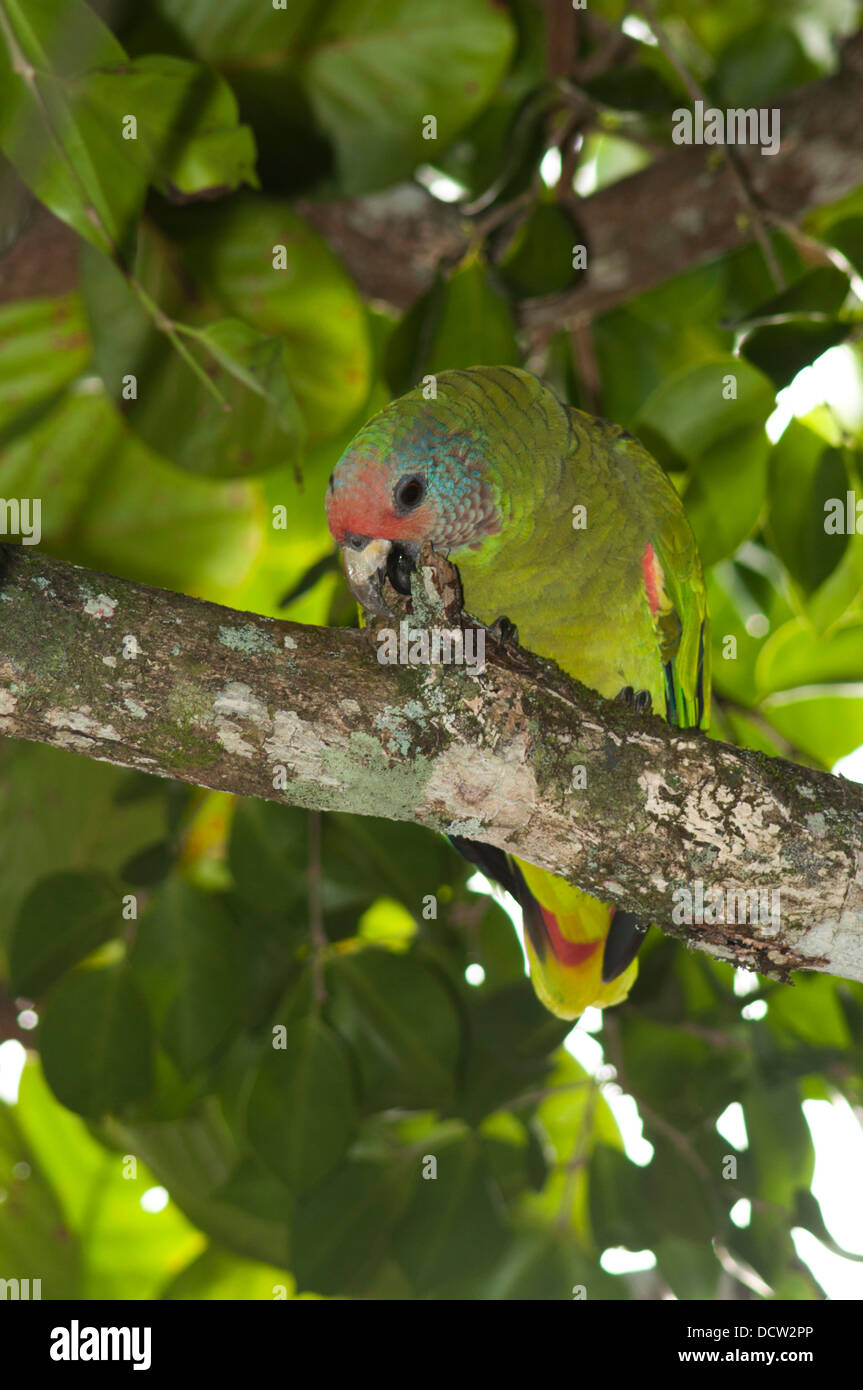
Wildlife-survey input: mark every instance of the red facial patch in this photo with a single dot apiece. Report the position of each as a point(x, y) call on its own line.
point(363, 506)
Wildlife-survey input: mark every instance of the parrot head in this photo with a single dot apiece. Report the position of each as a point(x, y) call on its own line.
point(433, 470)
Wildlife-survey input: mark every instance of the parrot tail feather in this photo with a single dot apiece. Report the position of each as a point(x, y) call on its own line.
point(581, 951)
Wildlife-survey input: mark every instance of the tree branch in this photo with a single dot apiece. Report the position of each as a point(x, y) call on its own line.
point(681, 211)
point(186, 689)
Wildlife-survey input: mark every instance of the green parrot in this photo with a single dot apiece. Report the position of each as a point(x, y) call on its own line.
point(564, 528)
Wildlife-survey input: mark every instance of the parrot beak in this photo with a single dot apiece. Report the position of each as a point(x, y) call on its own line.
point(364, 571)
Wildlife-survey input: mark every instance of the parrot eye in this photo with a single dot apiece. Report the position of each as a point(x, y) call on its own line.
point(409, 492)
point(400, 567)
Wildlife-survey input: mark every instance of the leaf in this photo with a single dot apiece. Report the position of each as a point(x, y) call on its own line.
point(402, 1026)
point(188, 140)
point(461, 321)
point(135, 516)
point(245, 420)
point(374, 72)
point(62, 919)
point(804, 476)
point(694, 409)
point(820, 291)
point(453, 1230)
point(341, 1226)
point(824, 721)
point(67, 128)
point(121, 1249)
point(726, 494)
point(781, 350)
point(57, 812)
point(511, 1039)
point(796, 655)
point(71, 159)
point(96, 1041)
point(780, 1144)
point(215, 1274)
point(234, 31)
point(187, 960)
point(759, 63)
point(691, 1269)
point(45, 346)
point(268, 853)
point(301, 1111)
point(537, 254)
point(35, 1240)
point(311, 303)
point(194, 1156)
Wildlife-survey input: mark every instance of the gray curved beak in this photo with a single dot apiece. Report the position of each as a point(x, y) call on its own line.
point(364, 571)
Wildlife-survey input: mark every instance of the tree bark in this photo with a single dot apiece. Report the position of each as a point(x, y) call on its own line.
point(308, 716)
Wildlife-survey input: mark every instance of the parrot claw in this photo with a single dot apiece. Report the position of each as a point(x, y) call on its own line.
point(639, 701)
point(504, 632)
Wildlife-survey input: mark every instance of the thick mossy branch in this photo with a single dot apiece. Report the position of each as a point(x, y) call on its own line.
point(516, 754)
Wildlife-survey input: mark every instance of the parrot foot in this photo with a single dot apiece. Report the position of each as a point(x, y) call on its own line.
point(504, 632)
point(637, 700)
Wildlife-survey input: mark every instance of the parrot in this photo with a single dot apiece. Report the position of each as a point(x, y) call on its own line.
point(568, 538)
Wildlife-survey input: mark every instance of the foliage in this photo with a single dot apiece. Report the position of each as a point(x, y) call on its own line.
point(305, 1166)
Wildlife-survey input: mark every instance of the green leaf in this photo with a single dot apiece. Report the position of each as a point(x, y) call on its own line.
point(310, 303)
point(811, 1011)
point(188, 961)
point(72, 160)
point(692, 1270)
point(254, 1188)
point(825, 721)
point(376, 70)
point(244, 421)
point(780, 1144)
point(121, 1249)
point(462, 321)
point(35, 1240)
point(187, 140)
point(805, 475)
point(678, 1071)
point(45, 346)
point(726, 493)
point(537, 255)
point(235, 31)
point(215, 1274)
point(340, 1229)
point(132, 514)
point(268, 854)
point(781, 350)
point(847, 236)
point(820, 291)
point(696, 408)
point(759, 63)
point(511, 1039)
point(453, 1231)
point(301, 1111)
point(402, 1026)
point(57, 812)
point(96, 1041)
point(62, 919)
point(796, 655)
